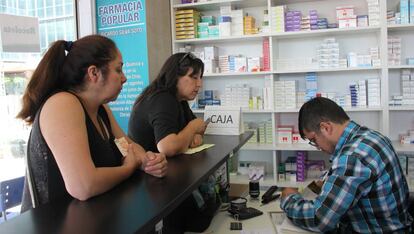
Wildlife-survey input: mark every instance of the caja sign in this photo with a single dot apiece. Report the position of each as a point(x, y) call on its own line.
point(223, 120)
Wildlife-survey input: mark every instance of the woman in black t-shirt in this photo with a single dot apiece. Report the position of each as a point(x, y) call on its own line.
point(161, 121)
point(71, 149)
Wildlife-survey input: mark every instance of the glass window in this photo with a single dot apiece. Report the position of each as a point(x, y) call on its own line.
point(59, 9)
point(12, 4)
point(40, 4)
point(60, 29)
point(16, 70)
point(51, 32)
point(70, 29)
point(69, 9)
point(43, 39)
point(50, 13)
point(41, 12)
point(22, 4)
point(40, 9)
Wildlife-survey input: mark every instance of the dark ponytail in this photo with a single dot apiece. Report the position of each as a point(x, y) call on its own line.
point(60, 71)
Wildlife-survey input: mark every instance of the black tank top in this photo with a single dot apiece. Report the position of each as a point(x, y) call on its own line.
point(48, 182)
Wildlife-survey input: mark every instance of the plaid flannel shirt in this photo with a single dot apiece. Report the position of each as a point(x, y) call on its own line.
point(365, 189)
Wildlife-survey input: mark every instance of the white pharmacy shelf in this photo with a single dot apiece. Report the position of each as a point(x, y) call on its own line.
point(237, 74)
point(346, 69)
point(244, 111)
point(401, 67)
point(401, 108)
point(347, 109)
point(278, 146)
point(400, 27)
point(216, 4)
point(362, 109)
point(269, 180)
point(244, 179)
point(258, 146)
point(403, 147)
point(254, 37)
point(326, 32)
point(282, 35)
point(296, 110)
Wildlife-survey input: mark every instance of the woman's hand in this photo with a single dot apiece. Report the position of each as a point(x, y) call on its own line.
point(130, 160)
point(197, 141)
point(198, 125)
point(154, 164)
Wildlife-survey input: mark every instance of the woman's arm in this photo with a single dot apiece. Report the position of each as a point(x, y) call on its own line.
point(65, 133)
point(174, 144)
point(152, 163)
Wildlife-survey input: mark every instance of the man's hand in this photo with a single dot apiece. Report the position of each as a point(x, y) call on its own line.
point(154, 164)
point(287, 191)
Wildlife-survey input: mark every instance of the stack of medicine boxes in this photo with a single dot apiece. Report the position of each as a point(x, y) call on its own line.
point(345, 16)
point(374, 92)
point(373, 12)
point(210, 59)
point(328, 53)
point(293, 21)
point(301, 157)
point(407, 87)
point(186, 23)
point(278, 18)
point(285, 94)
point(250, 25)
point(311, 85)
point(394, 50)
point(237, 22)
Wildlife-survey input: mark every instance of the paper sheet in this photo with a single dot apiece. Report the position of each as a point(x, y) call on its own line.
point(198, 149)
point(284, 225)
point(258, 231)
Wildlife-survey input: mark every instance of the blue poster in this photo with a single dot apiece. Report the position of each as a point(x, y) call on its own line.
point(125, 22)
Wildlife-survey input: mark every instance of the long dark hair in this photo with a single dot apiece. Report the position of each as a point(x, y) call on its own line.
point(177, 65)
point(60, 71)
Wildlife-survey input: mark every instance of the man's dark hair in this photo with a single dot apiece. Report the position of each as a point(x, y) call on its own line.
point(317, 110)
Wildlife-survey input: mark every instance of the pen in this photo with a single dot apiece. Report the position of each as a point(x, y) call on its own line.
point(252, 177)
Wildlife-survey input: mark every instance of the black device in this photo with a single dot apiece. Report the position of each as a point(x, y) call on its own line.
point(254, 188)
point(270, 195)
point(245, 213)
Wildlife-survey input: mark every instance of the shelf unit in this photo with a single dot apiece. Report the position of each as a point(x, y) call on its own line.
point(289, 44)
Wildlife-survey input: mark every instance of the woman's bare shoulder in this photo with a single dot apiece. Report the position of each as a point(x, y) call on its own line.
point(62, 104)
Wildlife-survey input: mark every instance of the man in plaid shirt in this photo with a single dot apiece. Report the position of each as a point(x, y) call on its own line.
point(365, 190)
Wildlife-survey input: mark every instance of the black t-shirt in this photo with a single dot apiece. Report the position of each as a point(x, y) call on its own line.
point(156, 117)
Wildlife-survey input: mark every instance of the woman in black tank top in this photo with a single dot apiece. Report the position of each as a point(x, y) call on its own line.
point(71, 149)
